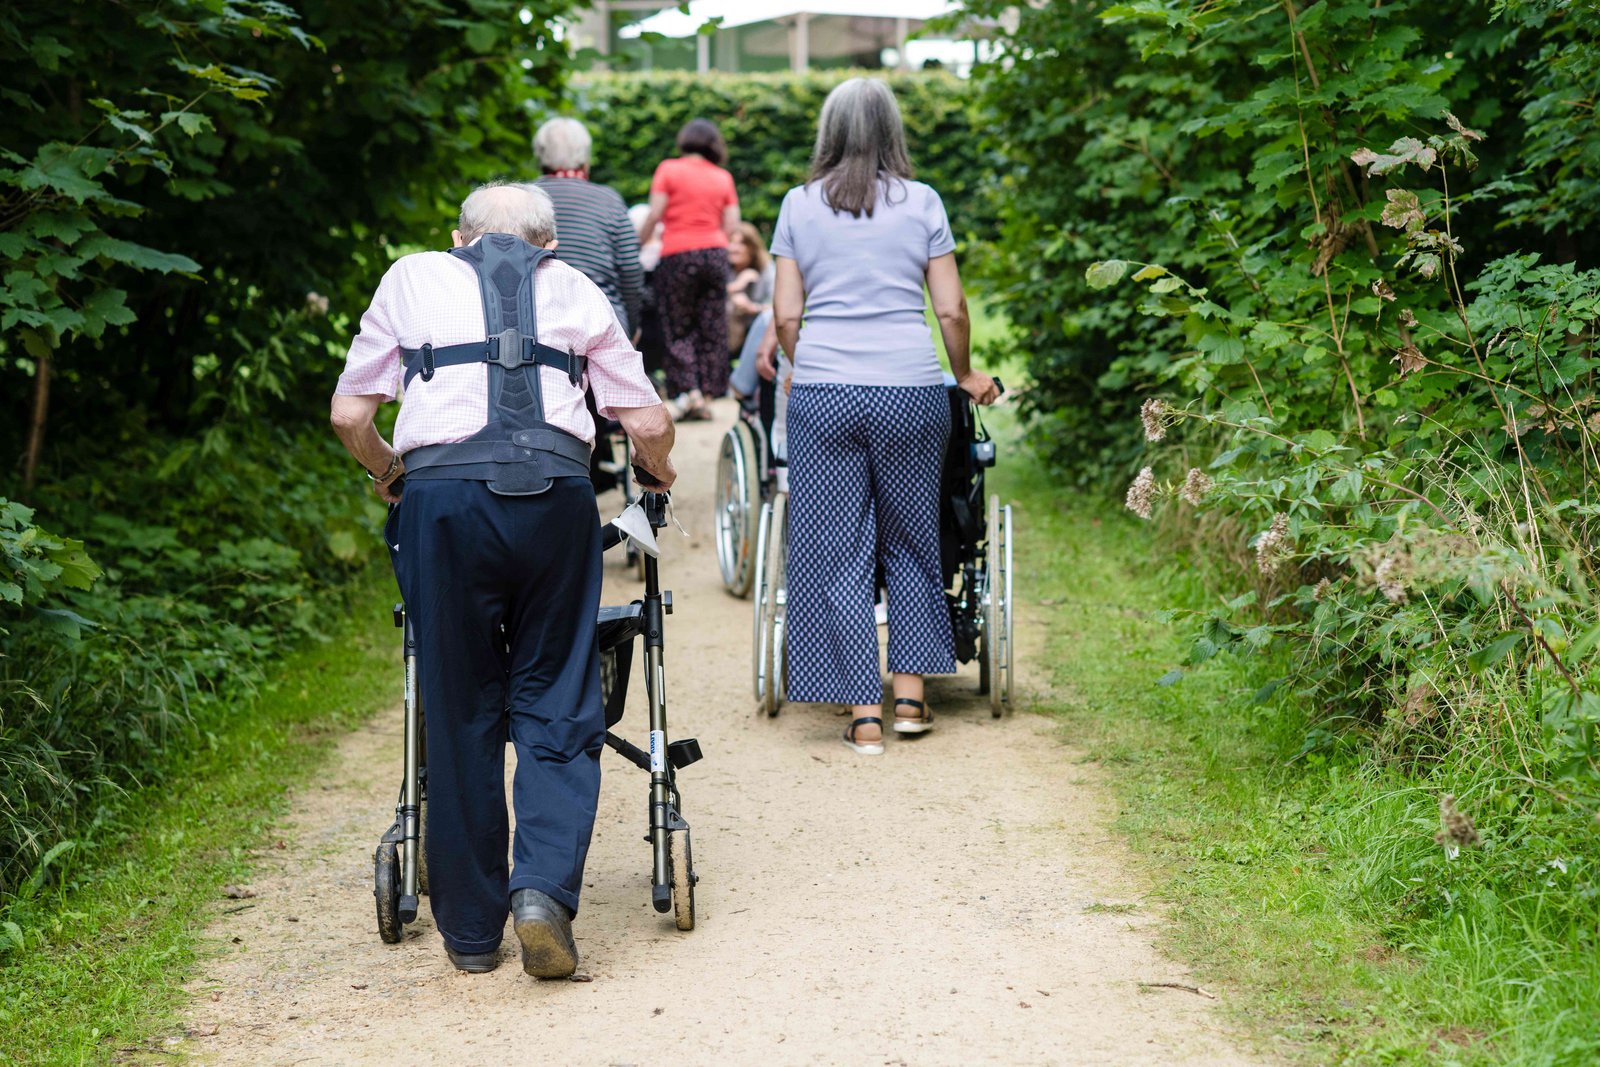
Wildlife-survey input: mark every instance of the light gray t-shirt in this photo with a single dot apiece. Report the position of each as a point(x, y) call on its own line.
point(864, 317)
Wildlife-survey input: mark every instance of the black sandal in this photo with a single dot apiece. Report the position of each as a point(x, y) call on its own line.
point(866, 748)
point(919, 725)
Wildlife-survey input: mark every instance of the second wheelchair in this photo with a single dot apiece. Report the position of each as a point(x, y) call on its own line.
point(975, 549)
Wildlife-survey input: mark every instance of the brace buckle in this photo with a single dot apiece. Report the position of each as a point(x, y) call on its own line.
point(508, 351)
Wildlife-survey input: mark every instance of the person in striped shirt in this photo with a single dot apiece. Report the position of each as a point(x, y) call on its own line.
point(597, 236)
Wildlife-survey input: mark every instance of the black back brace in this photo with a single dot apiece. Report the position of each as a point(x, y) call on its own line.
point(517, 452)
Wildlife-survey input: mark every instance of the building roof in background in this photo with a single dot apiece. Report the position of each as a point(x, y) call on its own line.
point(734, 13)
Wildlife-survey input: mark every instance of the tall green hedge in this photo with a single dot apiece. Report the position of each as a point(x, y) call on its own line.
point(770, 123)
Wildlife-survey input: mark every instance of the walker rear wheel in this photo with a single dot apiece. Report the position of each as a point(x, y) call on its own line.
point(681, 859)
point(386, 888)
point(738, 503)
point(422, 849)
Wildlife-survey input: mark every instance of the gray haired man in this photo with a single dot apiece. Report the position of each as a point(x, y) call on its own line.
point(495, 542)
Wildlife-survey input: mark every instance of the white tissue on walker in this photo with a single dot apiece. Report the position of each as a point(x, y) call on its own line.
point(634, 525)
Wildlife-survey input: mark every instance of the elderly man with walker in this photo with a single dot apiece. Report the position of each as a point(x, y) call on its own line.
point(495, 542)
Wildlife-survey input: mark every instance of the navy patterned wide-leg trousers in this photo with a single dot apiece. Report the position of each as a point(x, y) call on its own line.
point(865, 464)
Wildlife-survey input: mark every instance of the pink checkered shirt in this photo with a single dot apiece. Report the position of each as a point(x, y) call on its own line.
point(433, 297)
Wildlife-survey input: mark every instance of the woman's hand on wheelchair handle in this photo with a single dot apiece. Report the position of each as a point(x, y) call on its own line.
point(980, 387)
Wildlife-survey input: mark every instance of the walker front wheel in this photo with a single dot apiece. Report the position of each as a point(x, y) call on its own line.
point(681, 859)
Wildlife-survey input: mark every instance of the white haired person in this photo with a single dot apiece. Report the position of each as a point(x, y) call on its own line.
point(868, 414)
point(496, 548)
point(597, 235)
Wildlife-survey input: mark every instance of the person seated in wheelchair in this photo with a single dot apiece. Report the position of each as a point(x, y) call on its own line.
point(493, 345)
point(756, 379)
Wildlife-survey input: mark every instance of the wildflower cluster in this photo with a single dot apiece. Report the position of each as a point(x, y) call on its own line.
point(1154, 414)
point(1142, 493)
point(1273, 546)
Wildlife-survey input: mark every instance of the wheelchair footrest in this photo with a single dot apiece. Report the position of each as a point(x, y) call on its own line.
point(683, 752)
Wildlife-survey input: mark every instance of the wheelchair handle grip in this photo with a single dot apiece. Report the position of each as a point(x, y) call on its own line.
point(645, 478)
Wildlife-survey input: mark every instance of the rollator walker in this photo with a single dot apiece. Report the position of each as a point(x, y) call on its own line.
point(975, 551)
point(400, 870)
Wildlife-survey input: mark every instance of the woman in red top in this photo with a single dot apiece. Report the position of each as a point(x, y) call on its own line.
point(694, 199)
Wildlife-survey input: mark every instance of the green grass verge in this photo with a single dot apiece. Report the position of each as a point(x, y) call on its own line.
point(1311, 889)
point(110, 945)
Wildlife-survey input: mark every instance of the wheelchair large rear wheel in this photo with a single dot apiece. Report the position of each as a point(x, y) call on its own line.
point(776, 619)
point(681, 860)
point(738, 507)
point(997, 608)
point(760, 654)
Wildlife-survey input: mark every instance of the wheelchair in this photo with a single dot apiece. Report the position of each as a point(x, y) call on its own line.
point(975, 552)
point(400, 871)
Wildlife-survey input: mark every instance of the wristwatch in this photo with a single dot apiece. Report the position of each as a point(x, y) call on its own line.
point(394, 468)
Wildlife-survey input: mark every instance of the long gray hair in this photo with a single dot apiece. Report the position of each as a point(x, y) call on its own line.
point(861, 146)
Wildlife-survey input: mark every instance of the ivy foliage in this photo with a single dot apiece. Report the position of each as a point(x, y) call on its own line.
point(179, 175)
point(197, 199)
point(770, 124)
point(1332, 259)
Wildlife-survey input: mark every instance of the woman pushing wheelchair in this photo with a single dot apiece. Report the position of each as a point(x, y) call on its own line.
point(869, 414)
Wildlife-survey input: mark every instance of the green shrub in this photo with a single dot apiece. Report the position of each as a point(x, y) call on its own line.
point(199, 199)
point(1324, 253)
point(770, 124)
point(214, 562)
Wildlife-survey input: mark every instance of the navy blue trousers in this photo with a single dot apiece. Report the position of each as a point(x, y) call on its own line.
point(865, 464)
point(468, 562)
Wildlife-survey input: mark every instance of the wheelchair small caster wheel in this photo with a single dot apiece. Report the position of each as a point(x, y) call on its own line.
point(386, 888)
point(683, 879)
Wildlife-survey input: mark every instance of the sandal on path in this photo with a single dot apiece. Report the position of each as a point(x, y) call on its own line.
point(921, 724)
point(866, 748)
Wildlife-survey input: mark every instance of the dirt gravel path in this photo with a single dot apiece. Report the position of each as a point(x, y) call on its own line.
point(959, 900)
